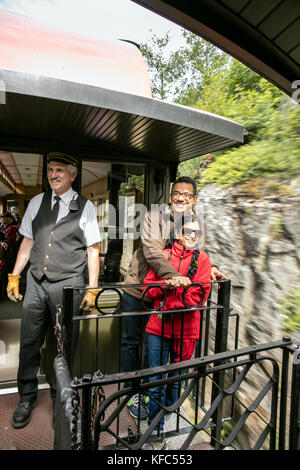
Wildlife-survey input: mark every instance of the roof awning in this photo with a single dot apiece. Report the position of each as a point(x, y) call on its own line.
point(41, 114)
point(92, 98)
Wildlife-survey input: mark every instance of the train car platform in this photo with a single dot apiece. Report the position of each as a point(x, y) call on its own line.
point(39, 433)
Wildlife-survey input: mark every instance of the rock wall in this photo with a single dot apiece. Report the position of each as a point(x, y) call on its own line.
point(256, 243)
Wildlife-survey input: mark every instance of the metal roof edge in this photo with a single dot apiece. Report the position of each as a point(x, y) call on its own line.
point(57, 89)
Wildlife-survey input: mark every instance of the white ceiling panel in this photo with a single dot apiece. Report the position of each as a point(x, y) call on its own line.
point(4, 190)
point(28, 165)
point(92, 171)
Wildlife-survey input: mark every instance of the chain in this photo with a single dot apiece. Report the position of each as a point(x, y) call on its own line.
point(75, 404)
point(57, 329)
point(97, 399)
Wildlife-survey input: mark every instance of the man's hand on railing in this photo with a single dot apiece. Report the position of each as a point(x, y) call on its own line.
point(12, 288)
point(88, 301)
point(216, 275)
point(178, 281)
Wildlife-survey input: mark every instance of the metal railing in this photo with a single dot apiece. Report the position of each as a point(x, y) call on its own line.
point(209, 379)
point(109, 307)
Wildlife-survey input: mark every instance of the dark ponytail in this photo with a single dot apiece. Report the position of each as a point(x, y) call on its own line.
point(194, 264)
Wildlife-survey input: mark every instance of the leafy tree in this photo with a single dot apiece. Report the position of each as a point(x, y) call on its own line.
point(166, 69)
point(181, 76)
point(272, 145)
point(202, 60)
point(241, 79)
point(201, 76)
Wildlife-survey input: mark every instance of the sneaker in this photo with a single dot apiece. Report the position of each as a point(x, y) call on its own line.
point(137, 406)
point(160, 444)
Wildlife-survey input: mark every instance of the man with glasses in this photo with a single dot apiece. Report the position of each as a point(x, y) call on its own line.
point(157, 231)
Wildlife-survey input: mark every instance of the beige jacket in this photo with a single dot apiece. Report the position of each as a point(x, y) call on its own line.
point(155, 236)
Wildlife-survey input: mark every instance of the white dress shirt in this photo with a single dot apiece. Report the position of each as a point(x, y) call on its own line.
point(88, 220)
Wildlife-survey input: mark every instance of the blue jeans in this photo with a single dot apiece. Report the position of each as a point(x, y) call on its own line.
point(166, 395)
point(132, 337)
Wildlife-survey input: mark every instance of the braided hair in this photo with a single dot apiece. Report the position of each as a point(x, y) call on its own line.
point(193, 264)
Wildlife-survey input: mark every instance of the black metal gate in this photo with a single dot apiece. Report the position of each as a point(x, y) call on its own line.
point(212, 382)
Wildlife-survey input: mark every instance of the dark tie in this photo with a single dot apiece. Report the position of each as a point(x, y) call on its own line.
point(54, 212)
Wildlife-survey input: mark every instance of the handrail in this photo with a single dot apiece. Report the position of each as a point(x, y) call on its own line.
point(194, 371)
point(204, 361)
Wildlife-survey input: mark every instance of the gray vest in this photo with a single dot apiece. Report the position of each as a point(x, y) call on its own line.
point(59, 250)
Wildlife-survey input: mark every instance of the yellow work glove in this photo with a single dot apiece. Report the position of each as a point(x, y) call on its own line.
point(12, 288)
point(88, 301)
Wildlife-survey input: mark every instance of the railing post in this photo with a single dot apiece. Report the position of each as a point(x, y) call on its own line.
point(222, 321)
point(67, 326)
point(86, 415)
point(283, 396)
point(294, 440)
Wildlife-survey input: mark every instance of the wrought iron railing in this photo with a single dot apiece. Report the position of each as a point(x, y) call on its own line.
point(110, 308)
point(86, 413)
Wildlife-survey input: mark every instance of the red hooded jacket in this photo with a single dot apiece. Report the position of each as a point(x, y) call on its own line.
point(180, 260)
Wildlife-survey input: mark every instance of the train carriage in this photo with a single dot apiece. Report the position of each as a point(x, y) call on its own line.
point(91, 99)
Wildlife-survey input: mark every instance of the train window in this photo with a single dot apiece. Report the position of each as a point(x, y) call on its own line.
point(117, 194)
point(133, 212)
point(102, 210)
point(131, 201)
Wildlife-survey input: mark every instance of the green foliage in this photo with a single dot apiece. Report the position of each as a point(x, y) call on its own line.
point(182, 75)
point(201, 76)
point(257, 159)
point(272, 146)
point(241, 79)
point(290, 307)
point(263, 110)
point(191, 167)
point(133, 181)
point(226, 430)
point(202, 59)
point(166, 69)
point(277, 228)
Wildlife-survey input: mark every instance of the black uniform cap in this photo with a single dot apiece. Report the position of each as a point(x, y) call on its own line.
point(62, 158)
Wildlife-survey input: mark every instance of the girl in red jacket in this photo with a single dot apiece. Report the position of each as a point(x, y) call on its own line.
point(187, 258)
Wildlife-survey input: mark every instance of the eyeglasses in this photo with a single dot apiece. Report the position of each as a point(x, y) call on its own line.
point(189, 231)
point(185, 195)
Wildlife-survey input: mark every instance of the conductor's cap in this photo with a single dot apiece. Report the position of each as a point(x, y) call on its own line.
point(63, 158)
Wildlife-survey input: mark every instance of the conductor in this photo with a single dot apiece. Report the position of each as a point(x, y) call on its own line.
point(61, 237)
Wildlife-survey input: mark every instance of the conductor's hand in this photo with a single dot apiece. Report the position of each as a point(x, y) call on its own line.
point(88, 301)
point(13, 288)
